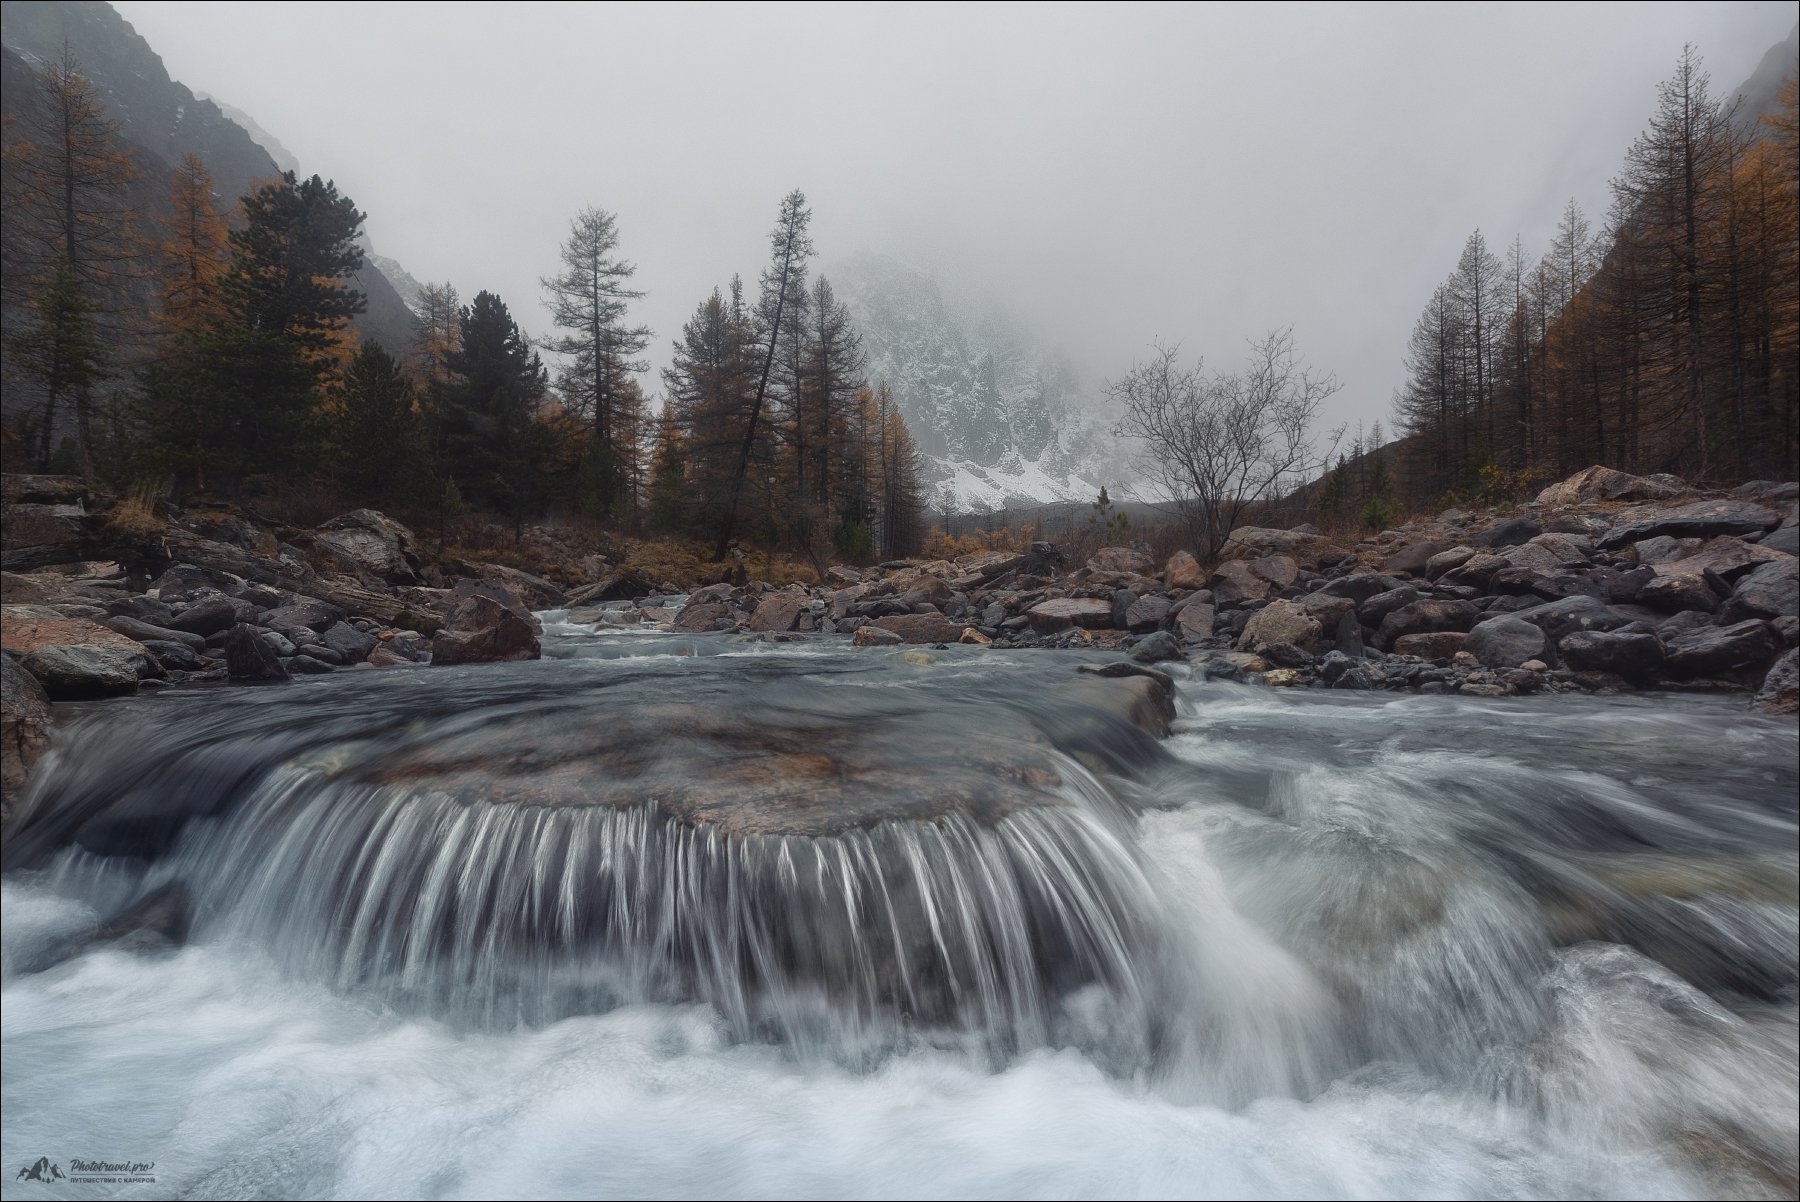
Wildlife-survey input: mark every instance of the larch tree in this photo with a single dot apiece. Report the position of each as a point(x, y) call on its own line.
point(251, 384)
point(195, 250)
point(588, 300)
point(70, 246)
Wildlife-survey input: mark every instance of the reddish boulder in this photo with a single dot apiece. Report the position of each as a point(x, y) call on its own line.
point(920, 628)
point(486, 624)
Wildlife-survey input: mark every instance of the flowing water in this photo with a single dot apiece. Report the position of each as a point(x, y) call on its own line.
point(685, 917)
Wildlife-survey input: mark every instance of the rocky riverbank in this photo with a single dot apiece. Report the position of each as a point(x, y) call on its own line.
point(1604, 582)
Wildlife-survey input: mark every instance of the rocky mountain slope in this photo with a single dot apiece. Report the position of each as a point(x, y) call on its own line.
point(1000, 419)
point(162, 119)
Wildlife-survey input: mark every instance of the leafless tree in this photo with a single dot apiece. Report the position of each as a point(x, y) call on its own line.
point(1213, 445)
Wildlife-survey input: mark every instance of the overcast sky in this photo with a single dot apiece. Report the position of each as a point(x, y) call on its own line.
point(1108, 174)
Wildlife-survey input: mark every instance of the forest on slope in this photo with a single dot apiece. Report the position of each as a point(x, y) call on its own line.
point(167, 343)
point(1660, 339)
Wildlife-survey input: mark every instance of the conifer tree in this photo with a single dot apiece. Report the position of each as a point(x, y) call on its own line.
point(494, 446)
point(250, 385)
point(782, 282)
point(70, 248)
point(588, 300)
point(195, 247)
point(372, 425)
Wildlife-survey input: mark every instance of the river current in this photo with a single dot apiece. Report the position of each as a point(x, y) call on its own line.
point(707, 917)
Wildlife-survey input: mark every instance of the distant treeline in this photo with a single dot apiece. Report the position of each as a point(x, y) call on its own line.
point(1665, 340)
point(180, 346)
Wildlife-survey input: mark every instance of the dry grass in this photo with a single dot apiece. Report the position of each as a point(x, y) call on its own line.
point(136, 518)
point(688, 563)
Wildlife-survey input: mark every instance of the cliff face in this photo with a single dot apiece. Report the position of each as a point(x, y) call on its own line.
point(162, 119)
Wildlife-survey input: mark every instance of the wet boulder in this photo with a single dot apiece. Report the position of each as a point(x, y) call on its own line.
point(486, 624)
point(347, 641)
point(1505, 642)
point(1771, 590)
point(1637, 657)
point(622, 584)
point(1306, 546)
point(1360, 586)
point(303, 614)
point(249, 659)
point(369, 544)
point(1060, 613)
point(212, 614)
point(24, 728)
point(1156, 647)
point(157, 921)
point(1507, 533)
point(1146, 613)
point(1780, 690)
point(1677, 591)
point(875, 636)
point(1375, 610)
point(144, 632)
point(1443, 561)
point(1559, 618)
point(699, 616)
point(1785, 540)
point(1440, 644)
point(1280, 622)
point(1233, 583)
point(920, 628)
point(1194, 619)
point(780, 611)
point(1426, 617)
point(309, 665)
point(1663, 549)
point(73, 658)
point(1412, 559)
point(173, 657)
point(185, 581)
point(1725, 556)
point(1714, 649)
point(1701, 519)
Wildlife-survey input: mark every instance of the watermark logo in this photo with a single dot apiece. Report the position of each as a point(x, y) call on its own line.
point(90, 1172)
point(40, 1169)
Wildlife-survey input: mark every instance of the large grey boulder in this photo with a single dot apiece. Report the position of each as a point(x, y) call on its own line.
point(1059, 613)
point(1715, 649)
point(1701, 519)
point(1635, 656)
point(1771, 590)
point(210, 615)
point(1780, 691)
point(1505, 642)
point(369, 543)
point(74, 658)
point(1560, 618)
